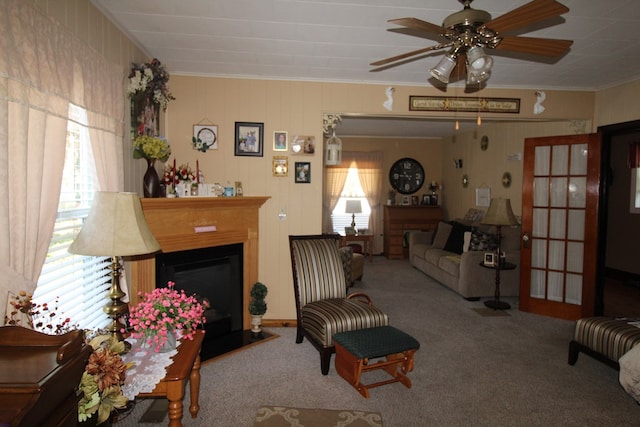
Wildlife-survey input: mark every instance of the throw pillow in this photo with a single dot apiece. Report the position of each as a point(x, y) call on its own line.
point(442, 235)
point(467, 241)
point(482, 241)
point(455, 242)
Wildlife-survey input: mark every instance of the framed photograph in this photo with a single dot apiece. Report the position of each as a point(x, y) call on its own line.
point(280, 166)
point(434, 200)
point(426, 199)
point(483, 197)
point(249, 139)
point(406, 200)
point(280, 140)
point(303, 144)
point(349, 231)
point(145, 117)
point(303, 172)
point(414, 200)
point(205, 137)
point(489, 259)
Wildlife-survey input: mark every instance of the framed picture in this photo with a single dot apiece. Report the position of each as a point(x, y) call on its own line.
point(280, 166)
point(489, 259)
point(205, 137)
point(280, 140)
point(145, 117)
point(249, 139)
point(414, 200)
point(349, 231)
point(303, 144)
point(434, 200)
point(303, 172)
point(426, 200)
point(406, 200)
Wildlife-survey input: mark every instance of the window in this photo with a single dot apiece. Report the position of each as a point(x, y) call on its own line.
point(352, 191)
point(72, 285)
point(635, 192)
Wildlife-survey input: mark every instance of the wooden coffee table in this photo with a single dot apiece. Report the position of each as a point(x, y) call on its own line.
point(185, 367)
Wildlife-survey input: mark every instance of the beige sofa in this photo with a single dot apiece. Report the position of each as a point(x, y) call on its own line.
point(441, 255)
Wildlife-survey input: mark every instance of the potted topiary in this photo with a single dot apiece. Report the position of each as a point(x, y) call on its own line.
point(257, 306)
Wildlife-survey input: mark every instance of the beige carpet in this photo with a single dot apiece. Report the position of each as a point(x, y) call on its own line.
point(280, 416)
point(489, 312)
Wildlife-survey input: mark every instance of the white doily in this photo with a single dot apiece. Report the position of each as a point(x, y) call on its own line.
point(150, 367)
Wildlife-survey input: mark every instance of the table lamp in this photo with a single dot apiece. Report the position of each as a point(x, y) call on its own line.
point(353, 207)
point(115, 227)
point(499, 214)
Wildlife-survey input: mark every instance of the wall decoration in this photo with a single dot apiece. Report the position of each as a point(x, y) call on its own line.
point(205, 137)
point(280, 166)
point(280, 140)
point(484, 143)
point(303, 144)
point(464, 103)
point(303, 172)
point(483, 197)
point(249, 139)
point(465, 180)
point(506, 180)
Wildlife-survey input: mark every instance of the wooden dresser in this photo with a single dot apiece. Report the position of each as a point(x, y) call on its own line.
point(400, 219)
point(39, 375)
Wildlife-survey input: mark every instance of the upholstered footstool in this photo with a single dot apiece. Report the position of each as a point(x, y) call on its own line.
point(604, 338)
point(355, 349)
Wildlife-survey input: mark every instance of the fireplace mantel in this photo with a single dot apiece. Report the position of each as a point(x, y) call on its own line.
point(200, 222)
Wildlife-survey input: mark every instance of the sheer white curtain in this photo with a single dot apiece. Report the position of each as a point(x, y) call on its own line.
point(334, 179)
point(43, 68)
point(369, 166)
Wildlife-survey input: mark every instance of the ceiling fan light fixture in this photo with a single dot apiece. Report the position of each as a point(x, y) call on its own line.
point(478, 60)
point(477, 77)
point(443, 70)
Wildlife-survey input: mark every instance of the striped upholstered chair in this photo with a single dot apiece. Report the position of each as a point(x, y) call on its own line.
point(322, 305)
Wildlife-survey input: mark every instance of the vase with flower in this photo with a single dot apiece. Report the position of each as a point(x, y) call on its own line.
point(164, 315)
point(151, 148)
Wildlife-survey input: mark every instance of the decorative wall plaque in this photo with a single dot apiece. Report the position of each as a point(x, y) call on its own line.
point(464, 103)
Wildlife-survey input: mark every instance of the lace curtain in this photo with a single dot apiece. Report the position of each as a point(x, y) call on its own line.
point(44, 68)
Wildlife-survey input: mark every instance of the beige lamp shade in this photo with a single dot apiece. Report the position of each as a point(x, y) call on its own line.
point(500, 213)
point(353, 206)
point(115, 227)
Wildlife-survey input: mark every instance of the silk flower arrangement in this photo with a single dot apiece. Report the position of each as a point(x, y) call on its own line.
point(166, 311)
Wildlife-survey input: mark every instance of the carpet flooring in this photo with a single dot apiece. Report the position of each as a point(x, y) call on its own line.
point(471, 370)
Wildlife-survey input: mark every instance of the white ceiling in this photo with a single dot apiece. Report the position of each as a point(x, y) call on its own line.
point(332, 40)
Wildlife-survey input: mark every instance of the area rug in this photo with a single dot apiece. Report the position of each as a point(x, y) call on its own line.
point(489, 312)
point(281, 416)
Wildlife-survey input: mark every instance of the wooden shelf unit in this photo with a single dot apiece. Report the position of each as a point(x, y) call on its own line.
point(398, 219)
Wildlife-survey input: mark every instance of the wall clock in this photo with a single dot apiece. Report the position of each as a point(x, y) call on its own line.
point(406, 175)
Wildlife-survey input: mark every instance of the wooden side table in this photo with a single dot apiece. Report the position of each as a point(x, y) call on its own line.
point(185, 367)
point(366, 238)
point(495, 303)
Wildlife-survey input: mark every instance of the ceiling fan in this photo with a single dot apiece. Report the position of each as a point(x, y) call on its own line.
point(467, 33)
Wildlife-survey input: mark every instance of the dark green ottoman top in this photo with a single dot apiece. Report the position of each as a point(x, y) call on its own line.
point(376, 342)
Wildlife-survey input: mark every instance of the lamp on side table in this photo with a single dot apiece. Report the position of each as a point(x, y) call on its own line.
point(115, 227)
point(499, 214)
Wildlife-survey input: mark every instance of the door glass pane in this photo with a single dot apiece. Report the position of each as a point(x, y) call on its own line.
point(537, 284)
point(555, 286)
point(541, 162)
point(577, 192)
point(541, 192)
point(558, 224)
point(576, 225)
point(559, 192)
point(575, 256)
point(579, 154)
point(539, 223)
point(556, 255)
point(574, 289)
point(560, 160)
point(538, 253)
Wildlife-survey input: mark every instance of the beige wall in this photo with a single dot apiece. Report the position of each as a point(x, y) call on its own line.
point(297, 107)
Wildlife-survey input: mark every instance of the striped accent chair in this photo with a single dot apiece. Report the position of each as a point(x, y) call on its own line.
point(604, 338)
point(322, 305)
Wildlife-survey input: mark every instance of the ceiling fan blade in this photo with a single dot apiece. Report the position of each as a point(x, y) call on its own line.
point(530, 13)
point(409, 54)
point(419, 24)
point(536, 46)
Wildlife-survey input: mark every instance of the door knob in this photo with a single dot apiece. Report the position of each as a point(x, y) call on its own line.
point(526, 240)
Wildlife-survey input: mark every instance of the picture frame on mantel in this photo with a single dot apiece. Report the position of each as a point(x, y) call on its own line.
point(249, 139)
